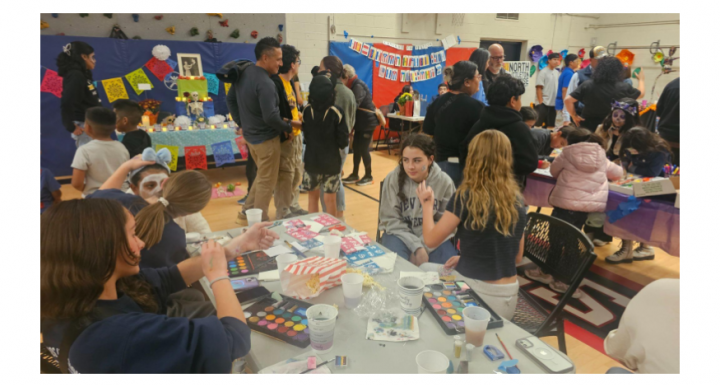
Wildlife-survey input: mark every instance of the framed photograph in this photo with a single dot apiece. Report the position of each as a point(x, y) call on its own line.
point(189, 64)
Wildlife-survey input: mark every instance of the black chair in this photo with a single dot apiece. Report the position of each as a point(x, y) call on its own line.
point(48, 363)
point(384, 130)
point(566, 253)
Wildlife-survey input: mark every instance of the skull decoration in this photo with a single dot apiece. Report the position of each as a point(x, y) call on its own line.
point(195, 96)
point(194, 106)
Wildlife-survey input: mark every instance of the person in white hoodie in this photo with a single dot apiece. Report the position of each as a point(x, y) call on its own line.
point(401, 213)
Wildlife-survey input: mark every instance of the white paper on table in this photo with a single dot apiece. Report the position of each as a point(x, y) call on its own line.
point(277, 250)
point(314, 226)
point(297, 365)
point(298, 246)
point(386, 262)
point(405, 328)
point(428, 277)
point(272, 275)
point(278, 242)
point(543, 171)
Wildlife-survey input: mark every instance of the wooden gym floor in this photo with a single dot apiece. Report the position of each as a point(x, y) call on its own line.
point(362, 214)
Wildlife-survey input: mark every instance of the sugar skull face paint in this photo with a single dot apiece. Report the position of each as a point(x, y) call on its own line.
point(151, 185)
point(618, 118)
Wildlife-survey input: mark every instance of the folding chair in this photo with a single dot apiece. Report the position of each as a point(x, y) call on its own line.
point(566, 253)
point(384, 130)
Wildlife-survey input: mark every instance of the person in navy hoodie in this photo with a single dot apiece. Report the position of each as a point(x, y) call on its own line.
point(101, 313)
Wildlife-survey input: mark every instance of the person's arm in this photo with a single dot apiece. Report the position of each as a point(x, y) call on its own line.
point(435, 234)
point(539, 85)
point(614, 171)
point(519, 256)
point(641, 83)
point(52, 185)
point(72, 95)
point(256, 237)
point(57, 196)
point(267, 95)
point(78, 179)
point(570, 107)
point(117, 179)
point(557, 165)
point(298, 95)
point(232, 104)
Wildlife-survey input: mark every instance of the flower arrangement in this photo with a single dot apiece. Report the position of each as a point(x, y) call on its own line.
point(151, 105)
point(406, 97)
point(191, 78)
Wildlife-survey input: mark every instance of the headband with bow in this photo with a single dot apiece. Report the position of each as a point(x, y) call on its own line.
point(624, 106)
point(162, 158)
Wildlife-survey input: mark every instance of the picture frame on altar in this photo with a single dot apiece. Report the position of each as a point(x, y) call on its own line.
point(190, 64)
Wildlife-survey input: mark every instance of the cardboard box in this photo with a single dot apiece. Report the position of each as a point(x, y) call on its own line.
point(654, 186)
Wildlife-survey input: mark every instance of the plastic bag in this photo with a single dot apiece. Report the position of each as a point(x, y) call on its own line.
point(309, 277)
point(378, 301)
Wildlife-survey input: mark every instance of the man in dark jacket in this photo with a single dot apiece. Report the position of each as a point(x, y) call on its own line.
point(668, 110)
point(495, 66)
point(503, 114)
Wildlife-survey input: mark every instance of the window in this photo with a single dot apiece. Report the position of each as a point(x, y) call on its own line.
point(508, 16)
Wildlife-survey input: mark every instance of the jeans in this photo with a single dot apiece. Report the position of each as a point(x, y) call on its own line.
point(453, 171)
point(81, 139)
point(439, 255)
point(340, 197)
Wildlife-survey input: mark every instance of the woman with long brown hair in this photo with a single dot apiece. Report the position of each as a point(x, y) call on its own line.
point(488, 212)
point(101, 313)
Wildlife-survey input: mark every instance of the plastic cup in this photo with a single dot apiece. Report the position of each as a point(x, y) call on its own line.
point(285, 259)
point(254, 216)
point(411, 291)
point(321, 322)
point(332, 246)
point(476, 322)
point(352, 289)
point(432, 362)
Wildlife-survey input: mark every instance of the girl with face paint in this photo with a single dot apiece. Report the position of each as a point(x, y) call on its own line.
point(622, 117)
point(401, 211)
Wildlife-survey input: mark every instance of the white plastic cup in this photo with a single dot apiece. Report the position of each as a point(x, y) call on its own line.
point(321, 322)
point(411, 291)
point(253, 216)
point(432, 362)
point(332, 246)
point(476, 322)
point(285, 259)
point(352, 289)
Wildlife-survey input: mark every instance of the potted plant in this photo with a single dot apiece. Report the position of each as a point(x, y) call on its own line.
point(404, 105)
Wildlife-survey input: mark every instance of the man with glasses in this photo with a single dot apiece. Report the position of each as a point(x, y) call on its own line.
point(495, 68)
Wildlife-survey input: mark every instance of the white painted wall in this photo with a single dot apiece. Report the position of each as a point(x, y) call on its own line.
point(97, 25)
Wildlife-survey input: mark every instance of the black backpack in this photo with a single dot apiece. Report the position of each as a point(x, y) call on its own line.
point(231, 72)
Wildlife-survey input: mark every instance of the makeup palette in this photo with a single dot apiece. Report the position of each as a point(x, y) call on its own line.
point(284, 320)
point(447, 305)
point(251, 263)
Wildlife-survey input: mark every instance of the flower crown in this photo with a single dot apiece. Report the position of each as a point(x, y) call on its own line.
point(624, 106)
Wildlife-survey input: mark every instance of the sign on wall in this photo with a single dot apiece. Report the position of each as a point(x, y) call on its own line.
point(519, 70)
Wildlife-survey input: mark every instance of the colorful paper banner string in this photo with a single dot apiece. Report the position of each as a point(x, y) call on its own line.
point(51, 83)
point(158, 68)
point(213, 83)
point(223, 153)
point(195, 157)
point(115, 89)
point(138, 77)
point(174, 151)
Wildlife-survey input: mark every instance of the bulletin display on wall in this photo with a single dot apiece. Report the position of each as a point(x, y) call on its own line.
point(519, 70)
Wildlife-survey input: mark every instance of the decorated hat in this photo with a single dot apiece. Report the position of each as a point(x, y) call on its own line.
point(599, 52)
point(629, 106)
point(162, 158)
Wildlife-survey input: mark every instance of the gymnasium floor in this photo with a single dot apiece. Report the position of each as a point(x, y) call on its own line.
point(362, 214)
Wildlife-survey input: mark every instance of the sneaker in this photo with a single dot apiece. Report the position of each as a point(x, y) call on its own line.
point(599, 242)
point(242, 200)
point(366, 180)
point(624, 255)
point(643, 253)
point(561, 287)
point(537, 275)
point(241, 218)
point(299, 211)
point(351, 179)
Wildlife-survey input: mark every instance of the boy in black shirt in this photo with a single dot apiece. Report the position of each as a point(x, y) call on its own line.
point(129, 114)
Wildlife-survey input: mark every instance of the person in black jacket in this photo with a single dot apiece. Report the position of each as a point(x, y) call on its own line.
point(503, 114)
point(75, 64)
point(365, 123)
point(325, 134)
point(668, 110)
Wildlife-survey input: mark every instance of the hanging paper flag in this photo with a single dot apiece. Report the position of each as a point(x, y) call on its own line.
point(158, 68)
point(51, 83)
point(438, 69)
point(138, 77)
point(398, 59)
point(394, 75)
point(227, 87)
point(381, 72)
point(442, 55)
point(223, 153)
point(213, 83)
point(384, 58)
point(377, 54)
point(355, 45)
point(115, 89)
point(370, 53)
point(365, 49)
point(391, 60)
point(172, 63)
point(242, 147)
point(195, 158)
point(174, 150)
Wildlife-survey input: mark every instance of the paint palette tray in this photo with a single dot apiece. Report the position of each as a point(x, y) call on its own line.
point(251, 263)
point(446, 306)
point(285, 320)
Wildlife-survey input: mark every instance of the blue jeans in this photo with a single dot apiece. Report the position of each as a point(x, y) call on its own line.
point(439, 255)
point(81, 139)
point(340, 197)
point(453, 171)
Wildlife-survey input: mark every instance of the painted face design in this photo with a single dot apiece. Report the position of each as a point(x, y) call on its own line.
point(618, 118)
point(151, 185)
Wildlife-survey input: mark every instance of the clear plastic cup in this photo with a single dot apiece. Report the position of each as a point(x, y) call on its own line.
point(285, 259)
point(476, 322)
point(432, 362)
point(411, 291)
point(321, 322)
point(352, 289)
point(253, 216)
point(332, 246)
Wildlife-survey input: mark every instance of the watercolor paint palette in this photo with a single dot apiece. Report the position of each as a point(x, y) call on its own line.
point(251, 263)
point(446, 306)
point(285, 320)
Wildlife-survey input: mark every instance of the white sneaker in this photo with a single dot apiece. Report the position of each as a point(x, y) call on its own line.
point(561, 287)
point(643, 253)
point(537, 275)
point(624, 255)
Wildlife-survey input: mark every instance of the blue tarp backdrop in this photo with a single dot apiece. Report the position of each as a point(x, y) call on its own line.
point(117, 58)
point(362, 65)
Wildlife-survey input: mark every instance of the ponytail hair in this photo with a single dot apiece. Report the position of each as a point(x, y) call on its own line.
point(422, 142)
point(334, 65)
point(185, 193)
point(456, 74)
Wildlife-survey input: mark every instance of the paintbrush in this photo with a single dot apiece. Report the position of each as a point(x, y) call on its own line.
point(310, 370)
point(506, 351)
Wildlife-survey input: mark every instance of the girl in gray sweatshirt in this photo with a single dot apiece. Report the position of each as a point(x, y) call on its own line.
point(401, 214)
